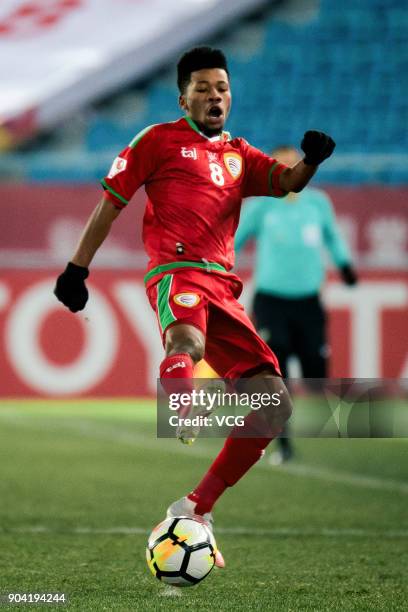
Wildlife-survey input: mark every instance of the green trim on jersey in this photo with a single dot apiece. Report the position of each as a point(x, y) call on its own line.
point(209, 266)
point(164, 310)
point(140, 135)
point(271, 188)
point(117, 195)
point(194, 126)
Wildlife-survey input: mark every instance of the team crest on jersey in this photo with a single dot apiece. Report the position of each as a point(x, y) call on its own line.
point(188, 300)
point(119, 165)
point(233, 163)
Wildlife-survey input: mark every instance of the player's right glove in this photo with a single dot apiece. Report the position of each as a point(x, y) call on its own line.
point(70, 287)
point(317, 146)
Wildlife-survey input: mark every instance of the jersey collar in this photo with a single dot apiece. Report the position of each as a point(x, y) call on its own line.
point(224, 136)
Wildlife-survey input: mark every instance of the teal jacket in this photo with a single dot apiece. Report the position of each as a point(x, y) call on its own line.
point(290, 238)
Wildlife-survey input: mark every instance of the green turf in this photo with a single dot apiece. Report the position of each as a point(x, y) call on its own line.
point(327, 533)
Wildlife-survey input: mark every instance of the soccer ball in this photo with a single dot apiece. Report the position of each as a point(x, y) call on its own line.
point(181, 551)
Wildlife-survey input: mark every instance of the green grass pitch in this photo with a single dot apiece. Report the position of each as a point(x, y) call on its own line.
point(82, 483)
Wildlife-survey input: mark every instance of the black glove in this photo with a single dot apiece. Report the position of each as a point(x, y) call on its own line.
point(317, 146)
point(70, 287)
point(348, 274)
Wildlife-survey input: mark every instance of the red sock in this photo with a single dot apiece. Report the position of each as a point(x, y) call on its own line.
point(207, 492)
point(179, 369)
point(176, 374)
point(232, 462)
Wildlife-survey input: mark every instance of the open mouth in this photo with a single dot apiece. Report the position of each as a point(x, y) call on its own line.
point(215, 111)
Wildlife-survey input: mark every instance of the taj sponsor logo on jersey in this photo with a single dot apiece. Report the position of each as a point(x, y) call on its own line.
point(188, 300)
point(233, 163)
point(191, 153)
point(119, 165)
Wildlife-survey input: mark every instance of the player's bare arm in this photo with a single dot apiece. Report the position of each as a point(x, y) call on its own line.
point(95, 232)
point(297, 177)
point(317, 147)
point(70, 288)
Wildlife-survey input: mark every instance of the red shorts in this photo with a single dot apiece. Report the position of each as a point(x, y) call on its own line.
point(208, 300)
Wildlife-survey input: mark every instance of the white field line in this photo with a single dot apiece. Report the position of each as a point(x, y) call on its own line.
point(327, 532)
point(105, 431)
point(169, 591)
point(356, 480)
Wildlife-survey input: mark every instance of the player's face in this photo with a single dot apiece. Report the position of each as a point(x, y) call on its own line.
point(207, 99)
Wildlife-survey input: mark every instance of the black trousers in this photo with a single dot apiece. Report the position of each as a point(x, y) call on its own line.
point(294, 327)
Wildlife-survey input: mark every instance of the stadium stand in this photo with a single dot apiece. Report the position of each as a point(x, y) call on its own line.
point(344, 70)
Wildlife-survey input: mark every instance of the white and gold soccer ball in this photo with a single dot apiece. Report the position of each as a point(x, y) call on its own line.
point(181, 551)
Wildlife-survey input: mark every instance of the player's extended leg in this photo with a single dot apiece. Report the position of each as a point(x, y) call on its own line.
point(243, 448)
point(235, 350)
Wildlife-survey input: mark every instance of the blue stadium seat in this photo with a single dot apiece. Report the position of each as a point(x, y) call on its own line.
point(344, 71)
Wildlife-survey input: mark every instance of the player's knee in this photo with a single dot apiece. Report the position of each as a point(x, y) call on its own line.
point(286, 406)
point(189, 345)
point(281, 408)
point(278, 415)
point(186, 341)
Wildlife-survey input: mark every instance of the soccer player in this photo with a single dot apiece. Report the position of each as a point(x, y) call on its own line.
point(195, 175)
point(289, 272)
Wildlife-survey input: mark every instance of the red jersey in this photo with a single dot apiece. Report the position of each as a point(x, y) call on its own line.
point(195, 186)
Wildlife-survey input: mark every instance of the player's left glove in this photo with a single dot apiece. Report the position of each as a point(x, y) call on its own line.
point(317, 146)
point(349, 275)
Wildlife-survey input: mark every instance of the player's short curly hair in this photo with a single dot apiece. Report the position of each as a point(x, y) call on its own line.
point(197, 59)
